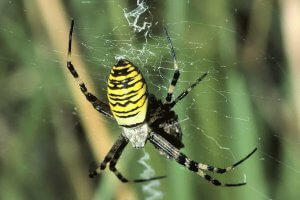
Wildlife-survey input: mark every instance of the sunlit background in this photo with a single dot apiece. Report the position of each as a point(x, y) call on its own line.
point(49, 133)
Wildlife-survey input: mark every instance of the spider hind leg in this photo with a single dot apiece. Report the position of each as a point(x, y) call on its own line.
point(176, 76)
point(187, 91)
point(97, 104)
point(176, 73)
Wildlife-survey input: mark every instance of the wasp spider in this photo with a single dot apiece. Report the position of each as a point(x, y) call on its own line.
point(143, 118)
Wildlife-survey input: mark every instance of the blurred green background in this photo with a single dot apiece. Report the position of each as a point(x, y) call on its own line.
point(49, 133)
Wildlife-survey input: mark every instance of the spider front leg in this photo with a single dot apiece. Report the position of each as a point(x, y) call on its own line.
point(199, 168)
point(112, 167)
point(117, 147)
point(97, 104)
point(112, 158)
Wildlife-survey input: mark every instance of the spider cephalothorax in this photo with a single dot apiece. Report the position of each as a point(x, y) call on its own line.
point(144, 118)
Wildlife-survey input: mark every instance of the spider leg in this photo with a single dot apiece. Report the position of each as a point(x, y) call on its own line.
point(97, 104)
point(226, 169)
point(112, 167)
point(187, 91)
point(113, 162)
point(112, 158)
point(172, 152)
point(176, 73)
point(117, 146)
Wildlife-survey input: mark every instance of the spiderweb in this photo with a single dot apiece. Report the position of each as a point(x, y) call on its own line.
point(135, 41)
point(132, 29)
point(133, 38)
point(152, 56)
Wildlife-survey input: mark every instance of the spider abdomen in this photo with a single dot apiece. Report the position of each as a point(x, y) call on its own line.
point(127, 94)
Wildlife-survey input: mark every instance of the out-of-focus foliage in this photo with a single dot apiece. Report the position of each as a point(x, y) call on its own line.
point(49, 133)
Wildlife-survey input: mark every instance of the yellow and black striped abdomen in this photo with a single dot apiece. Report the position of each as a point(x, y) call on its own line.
point(127, 94)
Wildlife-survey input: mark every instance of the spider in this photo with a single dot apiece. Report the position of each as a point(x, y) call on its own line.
point(144, 118)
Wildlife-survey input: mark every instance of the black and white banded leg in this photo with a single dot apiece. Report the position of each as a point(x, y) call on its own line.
point(176, 73)
point(117, 147)
point(112, 158)
point(112, 167)
point(226, 169)
point(187, 91)
point(199, 168)
point(113, 163)
point(97, 104)
point(176, 77)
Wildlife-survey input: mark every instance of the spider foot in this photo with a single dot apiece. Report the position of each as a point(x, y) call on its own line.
point(149, 179)
point(93, 170)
